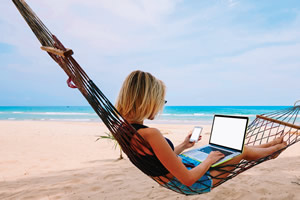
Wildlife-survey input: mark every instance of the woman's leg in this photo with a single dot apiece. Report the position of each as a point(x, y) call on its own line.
point(249, 153)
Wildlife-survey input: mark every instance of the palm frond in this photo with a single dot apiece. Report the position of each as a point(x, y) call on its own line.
point(111, 137)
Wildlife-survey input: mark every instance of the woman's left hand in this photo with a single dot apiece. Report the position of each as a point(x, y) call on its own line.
point(187, 143)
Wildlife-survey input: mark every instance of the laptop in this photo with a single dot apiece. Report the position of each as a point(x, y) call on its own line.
point(227, 136)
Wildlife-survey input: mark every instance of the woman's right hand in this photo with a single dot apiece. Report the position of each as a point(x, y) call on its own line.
point(214, 156)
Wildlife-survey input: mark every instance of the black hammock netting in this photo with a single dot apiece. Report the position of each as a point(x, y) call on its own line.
point(263, 129)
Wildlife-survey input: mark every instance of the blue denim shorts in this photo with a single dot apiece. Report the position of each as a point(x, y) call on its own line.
point(203, 185)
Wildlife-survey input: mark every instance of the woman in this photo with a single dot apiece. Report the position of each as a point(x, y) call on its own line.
point(142, 96)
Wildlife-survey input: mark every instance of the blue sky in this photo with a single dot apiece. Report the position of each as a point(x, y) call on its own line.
point(213, 52)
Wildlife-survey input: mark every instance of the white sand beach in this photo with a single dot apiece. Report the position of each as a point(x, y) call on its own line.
point(61, 160)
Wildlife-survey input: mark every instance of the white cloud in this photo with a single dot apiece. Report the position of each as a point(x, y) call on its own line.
point(232, 3)
point(125, 24)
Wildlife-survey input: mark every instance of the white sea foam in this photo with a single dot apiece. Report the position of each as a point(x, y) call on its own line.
point(59, 113)
point(199, 114)
point(246, 115)
point(190, 114)
point(187, 115)
point(202, 114)
point(72, 120)
point(183, 115)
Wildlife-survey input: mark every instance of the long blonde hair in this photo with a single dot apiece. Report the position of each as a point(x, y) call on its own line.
point(141, 97)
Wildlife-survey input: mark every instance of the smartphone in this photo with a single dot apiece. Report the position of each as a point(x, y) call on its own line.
point(196, 134)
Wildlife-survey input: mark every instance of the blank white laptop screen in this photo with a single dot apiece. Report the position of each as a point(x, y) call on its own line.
point(228, 132)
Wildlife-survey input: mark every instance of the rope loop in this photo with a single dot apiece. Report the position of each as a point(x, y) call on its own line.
point(296, 103)
point(70, 84)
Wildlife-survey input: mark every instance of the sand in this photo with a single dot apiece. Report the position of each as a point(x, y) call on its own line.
point(62, 160)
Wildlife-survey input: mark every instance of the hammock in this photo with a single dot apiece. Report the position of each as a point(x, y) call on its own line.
point(263, 129)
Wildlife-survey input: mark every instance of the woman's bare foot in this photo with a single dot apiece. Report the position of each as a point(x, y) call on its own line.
point(276, 141)
point(280, 148)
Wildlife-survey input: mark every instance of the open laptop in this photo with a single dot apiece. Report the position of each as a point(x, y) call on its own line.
point(227, 136)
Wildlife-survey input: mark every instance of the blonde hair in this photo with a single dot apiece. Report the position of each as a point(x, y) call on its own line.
point(141, 97)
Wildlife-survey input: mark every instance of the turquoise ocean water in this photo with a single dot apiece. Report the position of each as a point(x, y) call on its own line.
point(171, 114)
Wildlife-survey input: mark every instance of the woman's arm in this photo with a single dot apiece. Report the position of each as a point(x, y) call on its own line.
point(169, 159)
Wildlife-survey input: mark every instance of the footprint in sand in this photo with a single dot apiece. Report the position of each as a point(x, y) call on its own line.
point(94, 189)
point(112, 176)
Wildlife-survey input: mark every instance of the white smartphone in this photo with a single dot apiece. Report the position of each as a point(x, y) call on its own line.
point(196, 134)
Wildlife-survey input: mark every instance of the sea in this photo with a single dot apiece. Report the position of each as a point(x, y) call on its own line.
point(170, 114)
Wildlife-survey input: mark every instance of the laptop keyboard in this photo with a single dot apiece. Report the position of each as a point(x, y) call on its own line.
point(210, 149)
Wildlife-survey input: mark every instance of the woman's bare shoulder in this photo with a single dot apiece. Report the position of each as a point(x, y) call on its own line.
point(149, 132)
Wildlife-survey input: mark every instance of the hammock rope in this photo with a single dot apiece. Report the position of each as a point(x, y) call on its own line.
point(263, 129)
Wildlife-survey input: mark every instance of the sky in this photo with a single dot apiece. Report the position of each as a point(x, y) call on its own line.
point(208, 52)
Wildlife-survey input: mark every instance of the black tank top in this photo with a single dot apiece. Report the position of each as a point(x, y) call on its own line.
point(159, 169)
